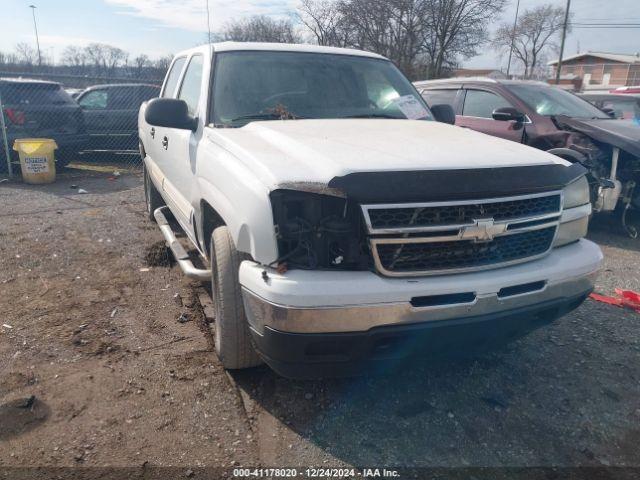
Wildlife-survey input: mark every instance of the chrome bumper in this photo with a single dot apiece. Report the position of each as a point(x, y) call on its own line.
point(360, 318)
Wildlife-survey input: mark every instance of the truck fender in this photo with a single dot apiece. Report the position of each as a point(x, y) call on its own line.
point(251, 228)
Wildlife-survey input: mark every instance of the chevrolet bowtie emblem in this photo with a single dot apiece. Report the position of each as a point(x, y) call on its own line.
point(483, 230)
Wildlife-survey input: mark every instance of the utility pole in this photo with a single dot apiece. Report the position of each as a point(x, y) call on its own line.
point(564, 36)
point(35, 26)
point(513, 37)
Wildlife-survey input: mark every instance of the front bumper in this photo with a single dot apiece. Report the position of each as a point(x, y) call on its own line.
point(313, 317)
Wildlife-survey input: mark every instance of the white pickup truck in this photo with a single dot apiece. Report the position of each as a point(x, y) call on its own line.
point(342, 222)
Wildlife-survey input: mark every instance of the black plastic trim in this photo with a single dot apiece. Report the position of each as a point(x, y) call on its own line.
point(464, 184)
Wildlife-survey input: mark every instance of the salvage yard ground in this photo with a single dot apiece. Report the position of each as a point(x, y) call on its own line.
point(107, 347)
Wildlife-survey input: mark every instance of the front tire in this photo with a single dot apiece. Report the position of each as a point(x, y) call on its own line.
point(153, 199)
point(232, 337)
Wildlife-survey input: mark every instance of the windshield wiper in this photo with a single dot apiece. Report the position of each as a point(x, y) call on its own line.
point(373, 115)
point(268, 116)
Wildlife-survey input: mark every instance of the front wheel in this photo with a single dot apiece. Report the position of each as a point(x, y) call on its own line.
point(232, 337)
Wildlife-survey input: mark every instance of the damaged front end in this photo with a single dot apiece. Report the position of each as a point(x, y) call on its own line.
point(318, 231)
point(610, 149)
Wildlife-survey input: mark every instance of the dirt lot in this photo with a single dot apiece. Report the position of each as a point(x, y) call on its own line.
point(97, 370)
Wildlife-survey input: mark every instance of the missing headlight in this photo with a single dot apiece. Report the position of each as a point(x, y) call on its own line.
point(317, 231)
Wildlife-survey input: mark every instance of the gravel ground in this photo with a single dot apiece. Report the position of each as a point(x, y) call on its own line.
point(90, 309)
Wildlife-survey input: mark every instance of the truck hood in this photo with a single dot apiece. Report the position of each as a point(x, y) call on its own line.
point(316, 151)
point(624, 134)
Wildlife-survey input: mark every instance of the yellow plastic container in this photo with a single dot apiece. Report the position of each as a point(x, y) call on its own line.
point(37, 159)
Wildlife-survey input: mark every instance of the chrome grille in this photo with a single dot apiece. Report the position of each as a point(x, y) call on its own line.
point(442, 215)
point(459, 255)
point(461, 236)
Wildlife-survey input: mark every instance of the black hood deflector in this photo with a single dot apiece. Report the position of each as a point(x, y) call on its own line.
point(444, 185)
point(620, 133)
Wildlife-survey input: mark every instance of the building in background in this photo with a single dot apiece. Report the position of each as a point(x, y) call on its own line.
point(600, 71)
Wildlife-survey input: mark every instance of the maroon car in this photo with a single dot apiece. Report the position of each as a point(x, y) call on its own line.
point(554, 120)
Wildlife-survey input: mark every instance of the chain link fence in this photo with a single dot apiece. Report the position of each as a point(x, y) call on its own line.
point(94, 126)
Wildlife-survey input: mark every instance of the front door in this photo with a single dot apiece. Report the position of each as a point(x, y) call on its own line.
point(477, 113)
point(180, 146)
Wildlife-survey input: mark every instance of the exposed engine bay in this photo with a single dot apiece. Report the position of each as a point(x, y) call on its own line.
point(319, 232)
point(610, 150)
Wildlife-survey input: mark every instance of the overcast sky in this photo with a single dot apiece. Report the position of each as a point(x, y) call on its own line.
point(158, 27)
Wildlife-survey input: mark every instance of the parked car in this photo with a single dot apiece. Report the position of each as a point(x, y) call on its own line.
point(35, 108)
point(551, 119)
point(623, 106)
point(73, 92)
point(111, 114)
point(341, 223)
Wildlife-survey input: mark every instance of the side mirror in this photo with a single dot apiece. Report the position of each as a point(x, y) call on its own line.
point(170, 113)
point(506, 114)
point(610, 111)
point(444, 114)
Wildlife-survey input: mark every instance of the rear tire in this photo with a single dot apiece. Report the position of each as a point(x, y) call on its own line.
point(232, 336)
point(152, 197)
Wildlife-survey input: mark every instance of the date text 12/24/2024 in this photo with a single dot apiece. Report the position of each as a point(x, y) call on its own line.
point(314, 473)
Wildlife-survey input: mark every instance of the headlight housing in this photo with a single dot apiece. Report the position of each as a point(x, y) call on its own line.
point(317, 231)
point(574, 222)
point(576, 193)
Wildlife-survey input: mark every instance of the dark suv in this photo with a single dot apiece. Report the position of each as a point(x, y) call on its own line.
point(111, 114)
point(551, 119)
point(40, 109)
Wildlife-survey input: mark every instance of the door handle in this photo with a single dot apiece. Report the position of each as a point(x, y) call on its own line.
point(165, 143)
point(153, 132)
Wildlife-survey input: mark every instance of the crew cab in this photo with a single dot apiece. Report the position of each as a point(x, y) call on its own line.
point(340, 224)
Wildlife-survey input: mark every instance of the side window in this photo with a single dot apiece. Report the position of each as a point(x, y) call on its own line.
point(173, 77)
point(190, 89)
point(479, 103)
point(95, 100)
point(440, 97)
point(123, 98)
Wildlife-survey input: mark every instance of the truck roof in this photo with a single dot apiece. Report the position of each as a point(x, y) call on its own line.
point(282, 47)
point(457, 80)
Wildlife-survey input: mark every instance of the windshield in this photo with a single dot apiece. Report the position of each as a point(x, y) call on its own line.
point(251, 86)
point(553, 101)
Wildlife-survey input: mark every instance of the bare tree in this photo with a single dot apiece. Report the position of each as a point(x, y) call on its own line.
point(325, 21)
point(162, 63)
point(105, 57)
point(261, 28)
point(74, 56)
point(96, 54)
point(535, 34)
point(423, 37)
point(115, 57)
point(458, 28)
point(26, 53)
